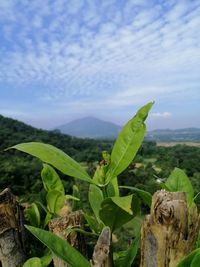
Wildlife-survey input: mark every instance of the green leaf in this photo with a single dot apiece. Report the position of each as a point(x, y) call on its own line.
point(95, 197)
point(127, 257)
point(188, 260)
point(144, 195)
point(61, 248)
point(55, 201)
point(47, 219)
point(128, 142)
point(51, 180)
point(196, 261)
point(46, 260)
point(93, 224)
point(112, 188)
point(33, 262)
point(56, 157)
point(117, 211)
point(32, 214)
point(178, 181)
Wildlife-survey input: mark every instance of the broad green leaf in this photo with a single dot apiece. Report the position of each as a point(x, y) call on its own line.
point(32, 214)
point(198, 241)
point(56, 157)
point(188, 260)
point(33, 262)
point(128, 142)
point(125, 203)
point(144, 195)
point(95, 197)
point(127, 257)
point(178, 181)
point(51, 180)
point(55, 201)
point(112, 188)
point(117, 211)
point(61, 248)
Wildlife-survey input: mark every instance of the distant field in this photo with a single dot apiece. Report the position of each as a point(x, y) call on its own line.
point(167, 144)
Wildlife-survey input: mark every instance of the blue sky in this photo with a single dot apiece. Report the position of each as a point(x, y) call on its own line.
point(65, 59)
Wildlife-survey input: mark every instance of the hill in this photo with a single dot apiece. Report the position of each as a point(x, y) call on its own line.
point(90, 127)
point(178, 135)
point(20, 171)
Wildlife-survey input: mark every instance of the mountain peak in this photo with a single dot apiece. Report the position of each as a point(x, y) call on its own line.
point(90, 127)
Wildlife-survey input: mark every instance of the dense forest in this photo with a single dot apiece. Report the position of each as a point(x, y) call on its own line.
point(153, 163)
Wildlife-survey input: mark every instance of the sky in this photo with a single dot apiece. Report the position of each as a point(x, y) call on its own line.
point(66, 59)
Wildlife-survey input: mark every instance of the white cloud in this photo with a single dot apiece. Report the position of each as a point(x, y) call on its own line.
point(124, 52)
point(165, 114)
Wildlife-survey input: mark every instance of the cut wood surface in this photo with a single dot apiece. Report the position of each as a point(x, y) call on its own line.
point(11, 231)
point(169, 233)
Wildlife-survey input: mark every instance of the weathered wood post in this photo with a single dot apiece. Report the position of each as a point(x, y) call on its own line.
point(11, 231)
point(169, 233)
point(59, 227)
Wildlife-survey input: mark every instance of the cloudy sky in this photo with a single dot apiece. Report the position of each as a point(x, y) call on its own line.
point(66, 59)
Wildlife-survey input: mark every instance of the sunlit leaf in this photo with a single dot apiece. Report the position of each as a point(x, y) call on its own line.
point(178, 181)
point(61, 248)
point(95, 197)
point(55, 201)
point(51, 180)
point(128, 142)
point(56, 157)
point(32, 214)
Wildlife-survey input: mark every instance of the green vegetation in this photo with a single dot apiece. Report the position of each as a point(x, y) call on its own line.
point(102, 194)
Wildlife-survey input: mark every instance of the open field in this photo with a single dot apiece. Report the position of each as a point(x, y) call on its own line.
point(169, 144)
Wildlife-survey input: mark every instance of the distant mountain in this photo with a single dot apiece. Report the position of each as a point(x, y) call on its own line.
point(167, 135)
point(90, 127)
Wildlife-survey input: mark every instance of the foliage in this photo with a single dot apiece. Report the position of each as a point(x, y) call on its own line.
point(110, 211)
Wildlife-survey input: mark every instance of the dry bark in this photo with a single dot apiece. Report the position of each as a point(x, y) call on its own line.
point(102, 254)
point(11, 231)
point(59, 227)
point(170, 231)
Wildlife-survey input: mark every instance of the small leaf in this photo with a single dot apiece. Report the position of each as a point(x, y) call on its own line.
point(56, 157)
point(50, 179)
point(144, 195)
point(117, 211)
point(61, 248)
point(32, 214)
point(188, 260)
point(95, 197)
point(33, 262)
point(128, 142)
point(178, 181)
point(93, 224)
point(55, 201)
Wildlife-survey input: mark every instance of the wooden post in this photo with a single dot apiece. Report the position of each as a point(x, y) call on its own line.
point(169, 233)
point(11, 231)
point(102, 254)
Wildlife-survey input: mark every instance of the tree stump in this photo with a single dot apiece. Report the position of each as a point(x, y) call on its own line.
point(59, 227)
point(169, 233)
point(11, 231)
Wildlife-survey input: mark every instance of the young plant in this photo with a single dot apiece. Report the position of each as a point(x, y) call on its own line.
point(109, 208)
